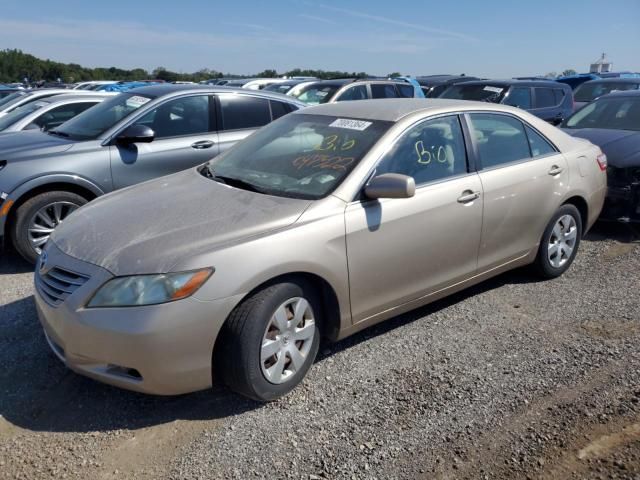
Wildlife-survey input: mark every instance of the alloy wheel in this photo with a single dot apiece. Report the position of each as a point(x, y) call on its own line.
point(45, 221)
point(287, 340)
point(562, 241)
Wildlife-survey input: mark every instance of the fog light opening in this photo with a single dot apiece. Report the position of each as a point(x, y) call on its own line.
point(126, 372)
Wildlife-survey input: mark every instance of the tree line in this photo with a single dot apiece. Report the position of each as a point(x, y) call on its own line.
point(16, 66)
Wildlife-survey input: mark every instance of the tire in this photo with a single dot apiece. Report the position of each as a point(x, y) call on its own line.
point(552, 262)
point(240, 358)
point(29, 211)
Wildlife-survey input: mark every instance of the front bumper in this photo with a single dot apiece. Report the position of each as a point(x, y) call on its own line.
point(159, 349)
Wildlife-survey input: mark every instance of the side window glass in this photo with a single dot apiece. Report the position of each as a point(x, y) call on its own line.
point(279, 109)
point(182, 116)
point(430, 151)
point(501, 139)
point(539, 145)
point(406, 90)
point(519, 97)
point(242, 111)
point(558, 95)
point(437, 91)
point(545, 98)
point(57, 116)
point(383, 90)
point(357, 92)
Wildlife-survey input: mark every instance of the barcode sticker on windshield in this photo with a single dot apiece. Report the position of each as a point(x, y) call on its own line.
point(489, 88)
point(137, 101)
point(350, 124)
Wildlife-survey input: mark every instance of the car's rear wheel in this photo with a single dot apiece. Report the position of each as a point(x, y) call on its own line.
point(38, 217)
point(270, 341)
point(560, 242)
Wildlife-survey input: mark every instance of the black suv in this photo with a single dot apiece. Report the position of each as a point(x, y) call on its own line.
point(434, 85)
point(546, 99)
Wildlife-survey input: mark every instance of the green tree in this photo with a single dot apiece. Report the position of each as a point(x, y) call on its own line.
point(568, 72)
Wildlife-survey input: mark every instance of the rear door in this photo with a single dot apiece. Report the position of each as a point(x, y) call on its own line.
point(523, 175)
point(546, 105)
point(240, 115)
point(186, 136)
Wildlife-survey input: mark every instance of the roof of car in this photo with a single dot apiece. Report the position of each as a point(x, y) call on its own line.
point(522, 83)
point(169, 88)
point(391, 109)
point(631, 80)
point(433, 80)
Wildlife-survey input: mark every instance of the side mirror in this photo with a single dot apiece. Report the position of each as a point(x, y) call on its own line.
point(136, 134)
point(391, 185)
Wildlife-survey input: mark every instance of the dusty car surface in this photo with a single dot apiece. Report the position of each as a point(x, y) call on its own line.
point(613, 123)
point(327, 221)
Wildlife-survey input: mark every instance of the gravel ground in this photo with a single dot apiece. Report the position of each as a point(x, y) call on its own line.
point(514, 378)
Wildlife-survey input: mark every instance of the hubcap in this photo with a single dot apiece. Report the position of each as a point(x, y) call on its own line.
point(562, 241)
point(44, 222)
point(287, 340)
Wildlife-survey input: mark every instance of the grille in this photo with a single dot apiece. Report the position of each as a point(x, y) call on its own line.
point(57, 284)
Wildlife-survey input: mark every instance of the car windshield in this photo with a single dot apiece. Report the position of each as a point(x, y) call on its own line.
point(482, 93)
point(19, 113)
point(315, 94)
point(616, 113)
point(588, 92)
point(11, 98)
point(300, 155)
point(93, 122)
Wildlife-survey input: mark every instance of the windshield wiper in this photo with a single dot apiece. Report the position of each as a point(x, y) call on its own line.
point(208, 172)
point(59, 133)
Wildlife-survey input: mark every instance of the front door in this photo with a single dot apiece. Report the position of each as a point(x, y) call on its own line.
point(185, 137)
point(402, 249)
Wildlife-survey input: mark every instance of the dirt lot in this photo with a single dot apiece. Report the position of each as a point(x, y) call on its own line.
point(515, 378)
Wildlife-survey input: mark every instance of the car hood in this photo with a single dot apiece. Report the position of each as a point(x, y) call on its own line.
point(622, 147)
point(150, 227)
point(26, 144)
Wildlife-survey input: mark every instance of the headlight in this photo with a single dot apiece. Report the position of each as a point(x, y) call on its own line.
point(139, 290)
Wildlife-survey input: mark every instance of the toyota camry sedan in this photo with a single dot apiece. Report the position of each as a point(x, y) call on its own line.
point(327, 221)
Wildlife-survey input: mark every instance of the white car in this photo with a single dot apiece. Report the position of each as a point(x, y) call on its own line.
point(49, 113)
point(17, 99)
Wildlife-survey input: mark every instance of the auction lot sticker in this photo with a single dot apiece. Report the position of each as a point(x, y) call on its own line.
point(137, 101)
point(350, 124)
point(489, 88)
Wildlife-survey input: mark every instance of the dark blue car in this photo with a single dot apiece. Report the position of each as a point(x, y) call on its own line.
point(613, 123)
point(547, 99)
point(589, 91)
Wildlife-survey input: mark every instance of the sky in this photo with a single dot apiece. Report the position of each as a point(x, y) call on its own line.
point(489, 38)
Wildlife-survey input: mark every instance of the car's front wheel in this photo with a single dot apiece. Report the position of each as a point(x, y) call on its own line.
point(37, 218)
point(560, 242)
point(270, 341)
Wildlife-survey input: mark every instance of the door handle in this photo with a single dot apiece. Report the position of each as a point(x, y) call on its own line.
point(555, 170)
point(468, 196)
point(201, 145)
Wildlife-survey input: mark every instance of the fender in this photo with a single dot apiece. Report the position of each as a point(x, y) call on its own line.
point(14, 196)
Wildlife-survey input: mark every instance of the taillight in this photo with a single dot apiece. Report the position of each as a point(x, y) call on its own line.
point(602, 162)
